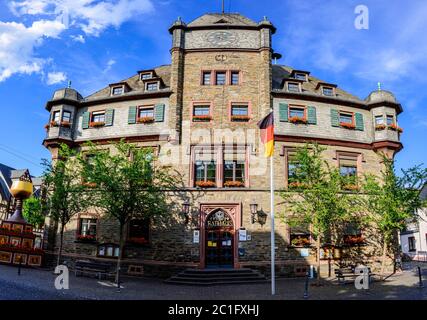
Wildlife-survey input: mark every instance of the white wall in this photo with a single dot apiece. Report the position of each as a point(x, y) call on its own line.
point(420, 238)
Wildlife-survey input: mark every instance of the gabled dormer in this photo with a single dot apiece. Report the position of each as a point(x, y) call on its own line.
point(151, 81)
point(119, 88)
point(300, 75)
point(327, 89)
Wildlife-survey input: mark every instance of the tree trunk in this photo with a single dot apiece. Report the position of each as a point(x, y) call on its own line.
point(384, 257)
point(318, 260)
point(61, 244)
point(119, 260)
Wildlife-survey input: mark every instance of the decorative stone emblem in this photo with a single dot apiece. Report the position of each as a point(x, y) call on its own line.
point(221, 57)
point(222, 38)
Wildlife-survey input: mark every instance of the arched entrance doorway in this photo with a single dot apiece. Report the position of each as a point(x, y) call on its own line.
point(219, 240)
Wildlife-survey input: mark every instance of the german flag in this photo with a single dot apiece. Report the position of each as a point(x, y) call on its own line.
point(267, 133)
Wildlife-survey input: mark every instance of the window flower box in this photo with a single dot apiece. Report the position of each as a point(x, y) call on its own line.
point(65, 124)
point(380, 127)
point(87, 238)
point(300, 242)
point(354, 240)
point(47, 126)
point(205, 184)
point(298, 120)
point(350, 187)
point(297, 185)
point(137, 241)
point(54, 124)
point(89, 184)
point(204, 118)
point(146, 120)
point(347, 125)
point(97, 124)
point(395, 127)
point(241, 118)
point(234, 184)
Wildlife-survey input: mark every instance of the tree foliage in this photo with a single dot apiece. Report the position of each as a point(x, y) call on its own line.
point(33, 211)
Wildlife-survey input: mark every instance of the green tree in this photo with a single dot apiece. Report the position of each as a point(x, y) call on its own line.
point(66, 195)
point(392, 201)
point(317, 198)
point(126, 185)
point(33, 211)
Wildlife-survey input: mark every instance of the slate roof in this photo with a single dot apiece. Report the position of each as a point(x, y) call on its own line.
point(217, 19)
point(5, 181)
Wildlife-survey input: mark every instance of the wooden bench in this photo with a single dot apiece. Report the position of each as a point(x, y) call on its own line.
point(349, 272)
point(100, 270)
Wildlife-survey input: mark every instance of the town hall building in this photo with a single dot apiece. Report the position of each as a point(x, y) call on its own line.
point(200, 114)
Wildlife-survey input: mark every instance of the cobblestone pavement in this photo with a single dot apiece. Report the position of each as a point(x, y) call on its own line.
point(39, 284)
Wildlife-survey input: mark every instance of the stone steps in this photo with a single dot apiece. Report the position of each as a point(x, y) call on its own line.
point(209, 277)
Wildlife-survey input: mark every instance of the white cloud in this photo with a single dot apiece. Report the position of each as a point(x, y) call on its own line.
point(110, 64)
point(92, 16)
point(55, 77)
point(17, 43)
point(78, 38)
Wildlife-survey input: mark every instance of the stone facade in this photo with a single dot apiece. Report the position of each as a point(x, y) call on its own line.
point(221, 43)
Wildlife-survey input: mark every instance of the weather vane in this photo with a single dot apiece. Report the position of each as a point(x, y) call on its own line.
point(379, 86)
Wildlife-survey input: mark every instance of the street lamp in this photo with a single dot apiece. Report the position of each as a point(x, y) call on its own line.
point(257, 215)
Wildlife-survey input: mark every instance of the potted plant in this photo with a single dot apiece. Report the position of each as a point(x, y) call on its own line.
point(54, 124)
point(354, 239)
point(380, 127)
point(86, 238)
point(65, 124)
point(300, 242)
point(146, 120)
point(205, 184)
point(234, 184)
point(298, 120)
point(350, 187)
point(296, 185)
point(395, 127)
point(347, 125)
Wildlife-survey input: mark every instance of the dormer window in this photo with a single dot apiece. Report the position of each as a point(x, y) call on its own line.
point(152, 86)
point(116, 91)
point(328, 91)
point(293, 87)
point(146, 75)
point(301, 76)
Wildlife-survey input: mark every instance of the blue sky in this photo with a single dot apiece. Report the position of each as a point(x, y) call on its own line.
point(45, 43)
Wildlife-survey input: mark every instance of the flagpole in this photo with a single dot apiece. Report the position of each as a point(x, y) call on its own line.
point(273, 245)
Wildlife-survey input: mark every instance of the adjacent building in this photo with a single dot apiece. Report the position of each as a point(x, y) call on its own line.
point(200, 114)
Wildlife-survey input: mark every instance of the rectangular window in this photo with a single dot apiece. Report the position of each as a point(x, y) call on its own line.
point(98, 117)
point(66, 116)
point(300, 236)
point(220, 78)
point(146, 112)
point(201, 113)
point(301, 76)
point(390, 120)
point(88, 227)
point(328, 91)
point(152, 86)
point(296, 112)
point(234, 171)
point(379, 120)
point(139, 231)
point(205, 168)
point(206, 78)
point(348, 170)
point(56, 115)
point(346, 117)
point(117, 91)
point(235, 75)
point(239, 112)
point(411, 244)
point(293, 87)
point(145, 76)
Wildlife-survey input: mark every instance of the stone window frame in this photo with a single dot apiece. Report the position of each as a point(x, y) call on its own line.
point(215, 72)
point(300, 74)
point(91, 114)
point(392, 116)
point(150, 224)
point(381, 116)
point(230, 77)
point(242, 103)
point(286, 151)
point(293, 83)
point(412, 244)
point(62, 116)
point(218, 152)
point(202, 103)
point(81, 216)
point(358, 157)
point(202, 78)
point(353, 120)
point(54, 113)
point(297, 106)
point(289, 236)
point(117, 87)
point(323, 87)
point(152, 82)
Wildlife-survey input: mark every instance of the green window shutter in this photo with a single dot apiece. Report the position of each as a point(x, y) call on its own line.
point(311, 115)
point(86, 120)
point(358, 117)
point(335, 118)
point(109, 117)
point(283, 112)
point(159, 113)
point(132, 115)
